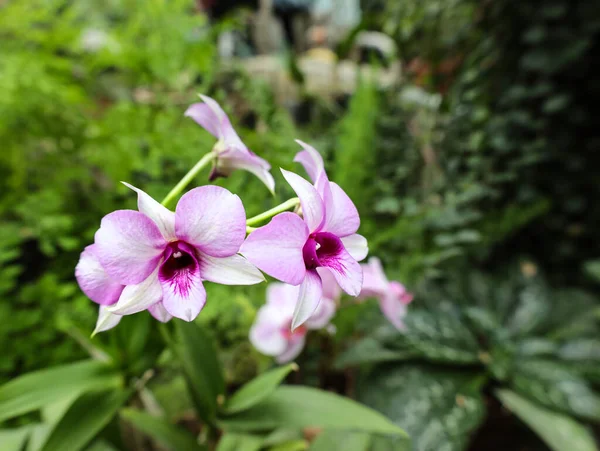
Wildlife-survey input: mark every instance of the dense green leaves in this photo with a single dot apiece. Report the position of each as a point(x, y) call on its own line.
point(560, 432)
point(35, 390)
point(294, 406)
point(240, 442)
point(14, 439)
point(166, 434)
point(438, 408)
point(85, 418)
point(196, 352)
point(258, 389)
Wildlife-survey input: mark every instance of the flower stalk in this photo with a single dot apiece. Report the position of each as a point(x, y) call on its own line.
point(187, 178)
point(291, 203)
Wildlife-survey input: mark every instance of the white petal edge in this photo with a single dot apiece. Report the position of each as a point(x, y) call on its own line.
point(313, 209)
point(234, 270)
point(161, 215)
point(309, 296)
point(106, 320)
point(356, 245)
point(136, 298)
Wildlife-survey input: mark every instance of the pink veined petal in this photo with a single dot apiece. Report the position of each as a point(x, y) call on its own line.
point(331, 288)
point(94, 281)
point(311, 159)
point(322, 315)
point(159, 312)
point(251, 163)
point(234, 270)
point(393, 309)
point(276, 248)
point(162, 216)
point(309, 296)
point(184, 295)
point(266, 334)
point(356, 245)
point(293, 350)
point(375, 283)
point(210, 116)
point(342, 216)
point(129, 245)
point(136, 298)
point(313, 209)
point(106, 320)
point(347, 271)
point(283, 297)
point(211, 219)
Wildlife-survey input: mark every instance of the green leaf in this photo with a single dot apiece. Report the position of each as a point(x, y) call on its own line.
point(348, 441)
point(556, 386)
point(86, 417)
point(294, 406)
point(560, 432)
point(35, 390)
point(592, 269)
point(240, 442)
point(438, 408)
point(440, 337)
point(14, 439)
point(167, 434)
point(369, 350)
point(258, 389)
point(201, 367)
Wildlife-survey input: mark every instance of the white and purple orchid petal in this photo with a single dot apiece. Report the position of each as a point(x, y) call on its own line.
point(184, 295)
point(159, 312)
point(136, 298)
point(342, 216)
point(345, 269)
point(248, 162)
point(331, 289)
point(283, 297)
point(211, 219)
point(356, 245)
point(276, 248)
point(313, 209)
point(106, 320)
point(309, 296)
point(129, 246)
point(234, 270)
point(210, 116)
point(375, 283)
point(266, 334)
point(293, 349)
point(401, 292)
point(93, 279)
point(311, 159)
point(162, 216)
point(322, 315)
point(393, 309)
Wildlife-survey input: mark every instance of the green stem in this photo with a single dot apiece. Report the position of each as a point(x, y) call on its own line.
point(291, 203)
point(187, 178)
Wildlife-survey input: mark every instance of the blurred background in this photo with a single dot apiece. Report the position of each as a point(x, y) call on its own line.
point(465, 131)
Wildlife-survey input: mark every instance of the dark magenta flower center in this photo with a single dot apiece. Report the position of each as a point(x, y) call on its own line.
point(180, 257)
point(320, 248)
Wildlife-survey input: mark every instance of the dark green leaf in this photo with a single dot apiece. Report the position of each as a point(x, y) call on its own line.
point(440, 337)
point(239, 442)
point(560, 432)
point(369, 350)
point(201, 367)
point(258, 389)
point(168, 435)
point(555, 386)
point(35, 390)
point(84, 419)
point(294, 406)
point(438, 408)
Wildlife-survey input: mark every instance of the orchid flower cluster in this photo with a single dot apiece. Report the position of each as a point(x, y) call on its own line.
point(157, 260)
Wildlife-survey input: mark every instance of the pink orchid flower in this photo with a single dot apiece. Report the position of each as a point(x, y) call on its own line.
point(291, 249)
point(393, 296)
point(231, 152)
point(100, 288)
point(271, 332)
point(162, 257)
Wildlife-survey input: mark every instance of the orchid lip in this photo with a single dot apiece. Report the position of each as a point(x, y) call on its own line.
point(318, 246)
point(180, 261)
